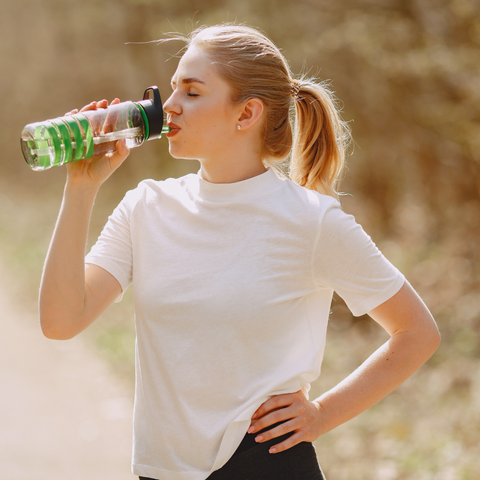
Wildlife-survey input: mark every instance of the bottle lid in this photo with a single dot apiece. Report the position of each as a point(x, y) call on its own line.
point(154, 112)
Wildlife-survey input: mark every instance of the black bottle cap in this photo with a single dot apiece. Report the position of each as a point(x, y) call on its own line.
point(154, 112)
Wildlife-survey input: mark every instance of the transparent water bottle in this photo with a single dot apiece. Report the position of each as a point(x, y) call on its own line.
point(94, 132)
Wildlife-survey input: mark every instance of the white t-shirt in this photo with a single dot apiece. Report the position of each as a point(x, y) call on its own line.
point(232, 287)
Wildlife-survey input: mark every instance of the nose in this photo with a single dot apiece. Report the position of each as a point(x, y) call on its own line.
point(172, 106)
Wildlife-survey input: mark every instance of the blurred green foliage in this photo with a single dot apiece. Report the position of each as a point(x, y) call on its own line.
point(407, 73)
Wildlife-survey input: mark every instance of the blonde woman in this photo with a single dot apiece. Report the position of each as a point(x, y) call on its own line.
point(233, 271)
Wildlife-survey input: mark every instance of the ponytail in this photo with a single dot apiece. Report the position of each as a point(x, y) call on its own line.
point(254, 68)
point(320, 139)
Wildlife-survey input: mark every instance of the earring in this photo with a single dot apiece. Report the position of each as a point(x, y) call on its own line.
point(239, 127)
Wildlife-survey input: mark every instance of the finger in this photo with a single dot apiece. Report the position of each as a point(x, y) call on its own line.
point(121, 153)
point(290, 442)
point(277, 416)
point(102, 104)
point(96, 121)
point(122, 148)
point(72, 112)
point(119, 156)
point(90, 106)
point(275, 402)
point(282, 429)
point(111, 161)
point(111, 118)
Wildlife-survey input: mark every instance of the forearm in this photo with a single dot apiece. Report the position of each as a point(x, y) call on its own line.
point(378, 376)
point(414, 337)
point(62, 290)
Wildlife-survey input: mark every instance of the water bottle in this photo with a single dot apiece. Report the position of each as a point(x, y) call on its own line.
point(94, 132)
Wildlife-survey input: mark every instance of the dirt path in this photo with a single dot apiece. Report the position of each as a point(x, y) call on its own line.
point(63, 416)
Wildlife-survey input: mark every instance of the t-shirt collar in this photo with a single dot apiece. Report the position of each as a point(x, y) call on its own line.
point(254, 186)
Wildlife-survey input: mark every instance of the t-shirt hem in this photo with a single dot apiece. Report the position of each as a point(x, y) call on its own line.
point(373, 302)
point(112, 269)
point(161, 474)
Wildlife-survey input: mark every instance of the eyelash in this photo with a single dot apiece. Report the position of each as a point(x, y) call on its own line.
point(192, 95)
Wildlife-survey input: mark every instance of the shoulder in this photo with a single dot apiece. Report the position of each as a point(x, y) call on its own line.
point(309, 201)
point(323, 212)
point(155, 191)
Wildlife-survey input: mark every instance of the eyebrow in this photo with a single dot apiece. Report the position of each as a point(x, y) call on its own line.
point(189, 80)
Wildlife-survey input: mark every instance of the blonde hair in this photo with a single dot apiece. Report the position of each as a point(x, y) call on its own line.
point(254, 68)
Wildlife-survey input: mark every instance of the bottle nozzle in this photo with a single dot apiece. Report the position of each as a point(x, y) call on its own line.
point(166, 129)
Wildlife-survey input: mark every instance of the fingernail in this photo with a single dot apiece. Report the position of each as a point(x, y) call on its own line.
point(272, 450)
point(251, 429)
point(259, 438)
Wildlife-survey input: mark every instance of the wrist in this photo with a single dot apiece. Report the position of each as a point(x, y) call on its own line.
point(82, 188)
point(322, 417)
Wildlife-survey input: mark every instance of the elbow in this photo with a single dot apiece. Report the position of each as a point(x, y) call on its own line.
point(55, 329)
point(55, 335)
point(436, 339)
point(431, 340)
point(59, 323)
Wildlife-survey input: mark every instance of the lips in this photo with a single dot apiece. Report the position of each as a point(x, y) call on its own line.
point(174, 129)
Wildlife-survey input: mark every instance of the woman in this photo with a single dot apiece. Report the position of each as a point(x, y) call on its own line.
point(233, 271)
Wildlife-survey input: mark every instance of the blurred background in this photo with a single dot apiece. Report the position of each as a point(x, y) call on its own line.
point(408, 75)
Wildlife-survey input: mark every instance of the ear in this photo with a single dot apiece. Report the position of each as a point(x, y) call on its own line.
point(251, 113)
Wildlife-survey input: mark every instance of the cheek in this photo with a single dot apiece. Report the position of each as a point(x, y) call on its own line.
point(207, 124)
point(214, 115)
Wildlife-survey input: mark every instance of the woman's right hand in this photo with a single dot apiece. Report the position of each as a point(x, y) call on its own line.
point(70, 297)
point(95, 170)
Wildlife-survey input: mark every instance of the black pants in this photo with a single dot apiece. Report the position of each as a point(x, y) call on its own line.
point(251, 461)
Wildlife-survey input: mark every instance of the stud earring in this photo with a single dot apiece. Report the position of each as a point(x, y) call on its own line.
point(239, 127)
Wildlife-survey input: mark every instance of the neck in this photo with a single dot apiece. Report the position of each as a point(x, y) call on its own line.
point(232, 170)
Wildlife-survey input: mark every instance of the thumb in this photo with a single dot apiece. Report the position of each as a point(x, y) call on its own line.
point(122, 148)
point(120, 154)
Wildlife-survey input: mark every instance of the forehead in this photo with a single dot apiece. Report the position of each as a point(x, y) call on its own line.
point(195, 65)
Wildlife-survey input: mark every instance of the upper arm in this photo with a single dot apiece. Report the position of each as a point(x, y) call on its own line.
point(71, 314)
point(348, 261)
point(101, 290)
point(406, 312)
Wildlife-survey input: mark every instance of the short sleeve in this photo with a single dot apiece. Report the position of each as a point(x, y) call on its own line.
point(113, 249)
point(347, 260)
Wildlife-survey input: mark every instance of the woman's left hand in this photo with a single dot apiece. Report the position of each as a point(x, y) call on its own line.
point(299, 415)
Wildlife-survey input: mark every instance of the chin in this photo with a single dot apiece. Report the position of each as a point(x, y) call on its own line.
point(181, 155)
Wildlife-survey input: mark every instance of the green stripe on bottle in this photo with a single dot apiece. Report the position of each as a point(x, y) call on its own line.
point(65, 138)
point(88, 136)
point(57, 146)
point(41, 137)
point(77, 136)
